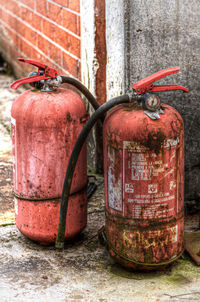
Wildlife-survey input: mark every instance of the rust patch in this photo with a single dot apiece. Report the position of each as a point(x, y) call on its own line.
point(68, 117)
point(100, 50)
point(155, 141)
point(101, 57)
point(152, 247)
point(113, 138)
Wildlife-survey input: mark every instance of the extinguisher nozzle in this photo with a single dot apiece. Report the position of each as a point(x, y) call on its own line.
point(59, 245)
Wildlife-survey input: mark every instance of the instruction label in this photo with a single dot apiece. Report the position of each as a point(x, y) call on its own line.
point(149, 181)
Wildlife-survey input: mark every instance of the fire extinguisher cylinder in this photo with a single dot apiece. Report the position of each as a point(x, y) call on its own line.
point(144, 179)
point(46, 122)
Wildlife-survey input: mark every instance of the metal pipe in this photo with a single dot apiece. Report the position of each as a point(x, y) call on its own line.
point(99, 113)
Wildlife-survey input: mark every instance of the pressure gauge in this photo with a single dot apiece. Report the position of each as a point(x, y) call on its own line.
point(151, 102)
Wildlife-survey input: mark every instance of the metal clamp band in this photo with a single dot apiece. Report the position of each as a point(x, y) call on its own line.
point(21, 197)
point(34, 198)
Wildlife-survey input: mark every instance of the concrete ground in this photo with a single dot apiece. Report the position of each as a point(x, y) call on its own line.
point(83, 271)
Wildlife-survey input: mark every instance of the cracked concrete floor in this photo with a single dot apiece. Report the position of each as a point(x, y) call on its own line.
point(83, 271)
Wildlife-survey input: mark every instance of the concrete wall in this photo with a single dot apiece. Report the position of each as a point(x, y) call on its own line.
point(156, 35)
point(115, 40)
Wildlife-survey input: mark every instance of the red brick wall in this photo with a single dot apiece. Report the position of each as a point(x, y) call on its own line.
point(45, 30)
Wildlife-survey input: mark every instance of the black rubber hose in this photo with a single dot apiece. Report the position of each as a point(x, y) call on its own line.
point(82, 89)
point(100, 112)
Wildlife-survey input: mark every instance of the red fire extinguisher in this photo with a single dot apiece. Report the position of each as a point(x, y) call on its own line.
point(144, 178)
point(46, 122)
point(143, 174)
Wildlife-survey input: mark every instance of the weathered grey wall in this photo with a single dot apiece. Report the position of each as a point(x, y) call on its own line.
point(161, 34)
point(89, 67)
point(115, 69)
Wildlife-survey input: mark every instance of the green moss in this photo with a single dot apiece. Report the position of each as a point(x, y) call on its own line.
point(91, 172)
point(178, 279)
point(6, 224)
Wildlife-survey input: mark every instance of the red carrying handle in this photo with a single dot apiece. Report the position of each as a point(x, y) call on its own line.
point(147, 84)
point(48, 73)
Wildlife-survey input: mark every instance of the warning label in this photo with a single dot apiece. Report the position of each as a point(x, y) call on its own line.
point(149, 181)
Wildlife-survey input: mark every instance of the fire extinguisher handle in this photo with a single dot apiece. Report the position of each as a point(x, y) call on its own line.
point(44, 73)
point(32, 62)
point(168, 88)
point(147, 84)
point(27, 80)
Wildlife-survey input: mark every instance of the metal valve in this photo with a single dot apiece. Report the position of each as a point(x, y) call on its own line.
point(46, 79)
point(151, 102)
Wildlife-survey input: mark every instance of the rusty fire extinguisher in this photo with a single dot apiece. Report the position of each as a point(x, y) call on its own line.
point(144, 176)
point(46, 122)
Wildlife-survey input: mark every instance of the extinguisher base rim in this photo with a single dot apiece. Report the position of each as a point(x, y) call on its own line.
point(132, 264)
